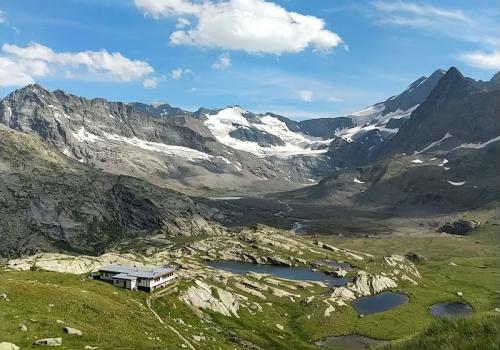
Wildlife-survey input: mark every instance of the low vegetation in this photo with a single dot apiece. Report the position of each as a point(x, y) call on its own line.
point(455, 334)
point(452, 268)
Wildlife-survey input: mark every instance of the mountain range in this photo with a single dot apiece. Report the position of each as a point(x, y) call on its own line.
point(72, 168)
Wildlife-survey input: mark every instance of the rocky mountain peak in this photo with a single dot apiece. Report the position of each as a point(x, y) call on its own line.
point(454, 72)
point(496, 78)
point(452, 83)
point(30, 90)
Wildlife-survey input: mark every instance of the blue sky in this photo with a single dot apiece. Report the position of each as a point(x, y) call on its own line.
point(299, 58)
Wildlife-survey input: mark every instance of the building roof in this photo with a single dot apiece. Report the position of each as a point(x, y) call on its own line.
point(124, 276)
point(149, 272)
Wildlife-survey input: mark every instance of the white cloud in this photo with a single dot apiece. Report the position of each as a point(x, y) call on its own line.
point(421, 11)
point(335, 99)
point(182, 23)
point(305, 95)
point(2, 17)
point(477, 25)
point(158, 8)
point(482, 59)
point(37, 60)
point(223, 62)
point(178, 73)
point(14, 73)
point(255, 26)
point(150, 83)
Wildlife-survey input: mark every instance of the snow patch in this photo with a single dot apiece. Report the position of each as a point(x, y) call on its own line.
point(358, 181)
point(172, 150)
point(227, 120)
point(84, 136)
point(9, 111)
point(435, 143)
point(477, 145)
point(417, 161)
point(461, 183)
point(399, 113)
point(224, 159)
point(67, 152)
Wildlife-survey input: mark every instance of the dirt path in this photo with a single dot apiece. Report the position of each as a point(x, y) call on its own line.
point(155, 296)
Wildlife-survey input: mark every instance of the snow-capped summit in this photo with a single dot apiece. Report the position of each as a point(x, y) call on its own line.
point(261, 134)
point(399, 106)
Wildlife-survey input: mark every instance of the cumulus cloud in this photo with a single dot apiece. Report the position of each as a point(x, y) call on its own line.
point(14, 73)
point(178, 73)
point(305, 95)
point(223, 62)
point(481, 59)
point(36, 60)
point(254, 26)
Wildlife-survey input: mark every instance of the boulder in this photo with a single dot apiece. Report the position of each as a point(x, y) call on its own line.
point(23, 328)
point(414, 257)
point(459, 227)
point(8, 346)
point(329, 310)
point(74, 331)
point(368, 284)
point(49, 342)
point(276, 260)
point(307, 300)
point(362, 284)
point(339, 273)
point(381, 283)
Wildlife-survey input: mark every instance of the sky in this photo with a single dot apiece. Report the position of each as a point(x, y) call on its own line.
point(301, 59)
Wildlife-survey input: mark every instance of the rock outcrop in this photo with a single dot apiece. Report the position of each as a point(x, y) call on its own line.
point(201, 297)
point(49, 342)
point(73, 331)
point(459, 227)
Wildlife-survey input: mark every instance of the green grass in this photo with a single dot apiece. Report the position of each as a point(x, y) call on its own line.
point(455, 334)
point(113, 318)
point(109, 318)
point(469, 265)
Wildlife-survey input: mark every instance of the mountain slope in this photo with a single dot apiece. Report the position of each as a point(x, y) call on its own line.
point(399, 106)
point(456, 113)
point(49, 202)
point(205, 151)
point(178, 152)
point(445, 157)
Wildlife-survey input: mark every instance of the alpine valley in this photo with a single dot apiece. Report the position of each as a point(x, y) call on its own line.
point(398, 201)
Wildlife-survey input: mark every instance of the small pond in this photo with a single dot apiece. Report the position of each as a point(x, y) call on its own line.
point(379, 302)
point(351, 342)
point(450, 309)
point(291, 273)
